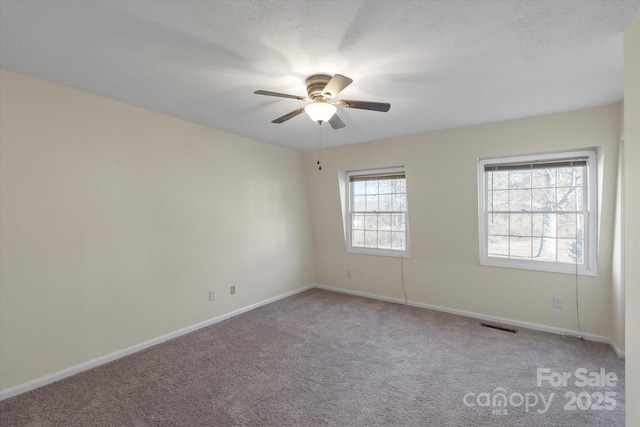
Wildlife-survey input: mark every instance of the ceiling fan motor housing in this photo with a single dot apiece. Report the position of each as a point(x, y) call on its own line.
point(315, 85)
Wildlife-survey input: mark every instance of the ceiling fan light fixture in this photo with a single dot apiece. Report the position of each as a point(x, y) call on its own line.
point(320, 111)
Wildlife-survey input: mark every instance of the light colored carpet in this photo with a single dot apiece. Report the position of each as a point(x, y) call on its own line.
point(323, 358)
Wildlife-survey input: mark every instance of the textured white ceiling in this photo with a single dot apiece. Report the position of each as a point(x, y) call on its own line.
point(441, 64)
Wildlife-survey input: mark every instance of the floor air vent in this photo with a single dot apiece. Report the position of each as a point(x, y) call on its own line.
point(501, 328)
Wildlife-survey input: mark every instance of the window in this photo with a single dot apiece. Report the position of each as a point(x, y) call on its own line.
point(376, 212)
point(539, 212)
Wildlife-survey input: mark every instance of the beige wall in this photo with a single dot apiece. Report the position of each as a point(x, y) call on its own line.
point(617, 279)
point(116, 222)
point(442, 195)
point(631, 214)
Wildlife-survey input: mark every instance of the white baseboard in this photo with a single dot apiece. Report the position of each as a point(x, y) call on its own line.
point(56, 376)
point(486, 317)
point(360, 294)
point(615, 348)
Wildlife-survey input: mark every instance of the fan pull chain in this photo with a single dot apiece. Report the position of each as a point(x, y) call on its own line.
point(319, 145)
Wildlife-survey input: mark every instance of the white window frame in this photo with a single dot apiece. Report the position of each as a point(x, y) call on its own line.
point(589, 267)
point(348, 212)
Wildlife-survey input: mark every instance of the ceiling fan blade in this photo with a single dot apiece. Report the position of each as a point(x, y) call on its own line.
point(364, 105)
point(336, 85)
point(288, 116)
point(336, 122)
point(281, 95)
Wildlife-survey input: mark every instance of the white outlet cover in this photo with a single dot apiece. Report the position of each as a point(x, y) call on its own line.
point(212, 295)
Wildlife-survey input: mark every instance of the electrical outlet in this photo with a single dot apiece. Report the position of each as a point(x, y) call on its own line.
point(557, 303)
point(348, 273)
point(232, 289)
point(212, 295)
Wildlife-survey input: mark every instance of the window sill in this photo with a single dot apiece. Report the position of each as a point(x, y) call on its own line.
point(538, 266)
point(380, 252)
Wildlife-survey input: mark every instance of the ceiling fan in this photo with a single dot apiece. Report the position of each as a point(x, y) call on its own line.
point(321, 89)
